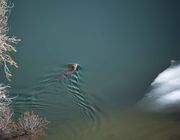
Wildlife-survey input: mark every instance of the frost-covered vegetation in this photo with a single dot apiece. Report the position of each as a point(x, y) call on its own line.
point(6, 42)
point(29, 126)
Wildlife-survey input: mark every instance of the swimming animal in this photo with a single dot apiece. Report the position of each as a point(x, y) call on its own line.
point(70, 71)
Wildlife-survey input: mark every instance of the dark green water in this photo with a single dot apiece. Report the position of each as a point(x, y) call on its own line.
point(121, 46)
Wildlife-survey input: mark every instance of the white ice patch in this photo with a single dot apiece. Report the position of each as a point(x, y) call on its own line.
point(164, 92)
point(173, 97)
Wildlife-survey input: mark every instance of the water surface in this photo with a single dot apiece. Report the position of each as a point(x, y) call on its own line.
point(121, 47)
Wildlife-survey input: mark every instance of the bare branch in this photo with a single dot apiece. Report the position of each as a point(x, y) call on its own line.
point(6, 42)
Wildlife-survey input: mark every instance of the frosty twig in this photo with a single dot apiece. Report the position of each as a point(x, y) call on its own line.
point(6, 42)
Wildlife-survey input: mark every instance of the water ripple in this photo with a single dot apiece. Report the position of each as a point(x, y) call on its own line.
point(48, 91)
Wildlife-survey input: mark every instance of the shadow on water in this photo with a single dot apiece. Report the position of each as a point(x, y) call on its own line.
point(49, 90)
